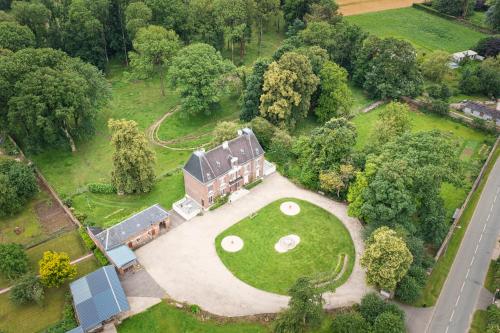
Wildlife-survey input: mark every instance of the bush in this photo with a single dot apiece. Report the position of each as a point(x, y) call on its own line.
point(101, 258)
point(488, 47)
point(349, 323)
point(372, 306)
point(101, 188)
point(438, 107)
point(13, 260)
point(253, 184)
point(29, 289)
point(87, 241)
point(219, 201)
point(408, 289)
point(388, 322)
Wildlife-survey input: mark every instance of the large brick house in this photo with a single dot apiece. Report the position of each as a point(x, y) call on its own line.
point(224, 169)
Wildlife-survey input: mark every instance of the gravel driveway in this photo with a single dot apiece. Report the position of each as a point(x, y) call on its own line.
point(185, 264)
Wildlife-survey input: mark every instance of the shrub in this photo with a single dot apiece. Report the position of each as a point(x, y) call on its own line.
point(488, 47)
point(87, 241)
point(371, 307)
point(438, 107)
point(101, 258)
point(219, 201)
point(29, 289)
point(13, 260)
point(194, 309)
point(101, 188)
point(253, 184)
point(350, 322)
point(388, 322)
point(408, 289)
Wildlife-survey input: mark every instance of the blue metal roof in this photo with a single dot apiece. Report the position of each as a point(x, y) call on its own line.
point(98, 297)
point(121, 256)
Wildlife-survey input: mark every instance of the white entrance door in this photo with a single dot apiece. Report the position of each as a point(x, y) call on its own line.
point(245, 179)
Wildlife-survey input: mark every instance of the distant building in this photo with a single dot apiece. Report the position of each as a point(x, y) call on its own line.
point(118, 241)
point(482, 111)
point(458, 57)
point(224, 169)
point(98, 298)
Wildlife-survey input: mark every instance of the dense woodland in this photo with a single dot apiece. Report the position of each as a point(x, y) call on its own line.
point(53, 55)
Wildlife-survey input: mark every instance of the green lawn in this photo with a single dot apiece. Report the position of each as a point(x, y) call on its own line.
point(323, 239)
point(442, 267)
point(166, 318)
point(34, 318)
point(425, 31)
point(479, 322)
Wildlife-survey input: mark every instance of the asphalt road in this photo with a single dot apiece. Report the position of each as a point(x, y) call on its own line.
point(457, 302)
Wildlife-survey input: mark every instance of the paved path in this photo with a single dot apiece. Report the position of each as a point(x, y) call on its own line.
point(461, 291)
point(185, 263)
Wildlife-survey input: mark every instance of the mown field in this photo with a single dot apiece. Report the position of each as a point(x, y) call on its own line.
point(425, 31)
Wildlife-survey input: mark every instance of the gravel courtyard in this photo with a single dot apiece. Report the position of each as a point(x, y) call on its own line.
point(184, 261)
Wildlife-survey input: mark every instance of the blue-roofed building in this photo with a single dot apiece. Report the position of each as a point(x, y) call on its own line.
point(117, 241)
point(98, 298)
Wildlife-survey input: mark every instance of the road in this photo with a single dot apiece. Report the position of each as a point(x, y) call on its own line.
point(457, 302)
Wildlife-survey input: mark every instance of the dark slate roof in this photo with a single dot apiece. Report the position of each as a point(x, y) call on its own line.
point(491, 111)
point(95, 230)
point(206, 166)
point(134, 225)
point(98, 297)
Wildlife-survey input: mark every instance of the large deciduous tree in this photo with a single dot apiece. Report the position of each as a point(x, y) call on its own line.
point(493, 15)
point(198, 70)
point(133, 159)
point(205, 24)
point(393, 121)
point(137, 16)
point(386, 259)
point(14, 36)
point(154, 48)
point(253, 90)
point(48, 98)
point(17, 185)
point(264, 10)
point(387, 68)
point(55, 268)
point(336, 98)
point(27, 290)
point(34, 15)
point(288, 86)
point(13, 260)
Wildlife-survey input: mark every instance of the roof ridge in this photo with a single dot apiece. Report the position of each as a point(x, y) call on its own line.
point(112, 289)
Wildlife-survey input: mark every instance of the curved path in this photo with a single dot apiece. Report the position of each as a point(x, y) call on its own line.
point(185, 263)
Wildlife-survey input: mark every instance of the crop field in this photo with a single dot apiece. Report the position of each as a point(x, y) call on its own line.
point(425, 31)
point(354, 7)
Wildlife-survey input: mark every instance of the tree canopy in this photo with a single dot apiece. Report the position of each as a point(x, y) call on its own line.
point(55, 269)
point(14, 36)
point(17, 185)
point(13, 260)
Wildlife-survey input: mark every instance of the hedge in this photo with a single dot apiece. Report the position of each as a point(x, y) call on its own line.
point(253, 184)
point(101, 188)
point(219, 202)
point(87, 241)
point(101, 258)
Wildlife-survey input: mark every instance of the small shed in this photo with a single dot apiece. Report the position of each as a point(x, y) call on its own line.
point(98, 298)
point(122, 257)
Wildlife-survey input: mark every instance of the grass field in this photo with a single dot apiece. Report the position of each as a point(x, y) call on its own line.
point(34, 318)
point(479, 322)
point(323, 239)
point(442, 267)
point(425, 31)
point(166, 318)
point(470, 141)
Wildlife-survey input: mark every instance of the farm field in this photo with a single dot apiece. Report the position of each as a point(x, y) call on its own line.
point(34, 318)
point(354, 7)
point(261, 266)
point(471, 142)
point(425, 31)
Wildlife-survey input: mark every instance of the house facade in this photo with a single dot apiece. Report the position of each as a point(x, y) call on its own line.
point(118, 241)
point(224, 169)
point(485, 112)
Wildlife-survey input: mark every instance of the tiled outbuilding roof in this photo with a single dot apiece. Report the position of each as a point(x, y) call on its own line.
point(97, 297)
point(135, 225)
point(206, 166)
point(491, 111)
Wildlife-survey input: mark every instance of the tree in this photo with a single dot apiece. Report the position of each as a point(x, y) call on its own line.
point(393, 121)
point(408, 289)
point(488, 46)
point(47, 97)
point(305, 309)
point(137, 16)
point(317, 57)
point(288, 86)
point(35, 16)
point(323, 10)
point(154, 48)
point(454, 7)
point(253, 90)
point(264, 130)
point(14, 36)
point(281, 146)
point(224, 131)
point(5, 4)
point(171, 14)
point(133, 159)
point(489, 78)
point(28, 289)
point(13, 260)
point(317, 9)
point(206, 25)
point(335, 181)
point(197, 70)
point(386, 259)
point(5, 17)
point(264, 10)
point(350, 322)
point(436, 65)
point(17, 185)
point(388, 322)
point(55, 269)
point(371, 307)
point(387, 68)
point(336, 98)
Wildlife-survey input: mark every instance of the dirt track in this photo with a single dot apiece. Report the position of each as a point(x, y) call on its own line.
point(353, 7)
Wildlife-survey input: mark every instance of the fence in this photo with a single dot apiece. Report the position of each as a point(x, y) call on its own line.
point(444, 245)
